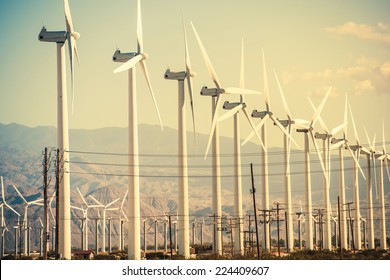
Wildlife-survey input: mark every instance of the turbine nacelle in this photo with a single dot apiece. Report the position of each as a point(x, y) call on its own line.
point(123, 57)
point(52, 36)
point(285, 123)
point(228, 106)
point(262, 114)
point(169, 75)
point(322, 136)
point(211, 91)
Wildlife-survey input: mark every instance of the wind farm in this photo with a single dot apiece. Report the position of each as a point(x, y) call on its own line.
point(120, 175)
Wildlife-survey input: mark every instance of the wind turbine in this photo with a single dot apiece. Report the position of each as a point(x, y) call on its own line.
point(382, 213)
point(326, 140)
point(183, 225)
point(341, 144)
point(234, 109)
point(268, 115)
point(307, 128)
point(130, 61)
point(357, 223)
point(3, 230)
point(105, 208)
point(25, 219)
point(215, 93)
point(121, 212)
point(60, 37)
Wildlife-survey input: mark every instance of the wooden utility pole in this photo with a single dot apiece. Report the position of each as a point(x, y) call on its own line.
point(253, 191)
point(338, 212)
point(170, 234)
point(350, 223)
point(277, 223)
point(46, 205)
point(57, 201)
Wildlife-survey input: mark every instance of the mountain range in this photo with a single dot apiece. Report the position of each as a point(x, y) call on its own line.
point(98, 167)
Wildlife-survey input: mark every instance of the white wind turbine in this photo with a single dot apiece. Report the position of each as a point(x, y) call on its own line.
point(357, 223)
point(216, 102)
point(105, 208)
point(326, 138)
point(342, 144)
point(59, 37)
point(25, 218)
point(382, 213)
point(121, 228)
point(268, 115)
point(234, 110)
point(130, 60)
point(183, 226)
point(307, 127)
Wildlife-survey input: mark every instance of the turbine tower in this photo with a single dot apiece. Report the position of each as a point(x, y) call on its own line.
point(268, 115)
point(342, 144)
point(382, 213)
point(307, 127)
point(183, 225)
point(60, 37)
point(326, 141)
point(130, 60)
point(357, 223)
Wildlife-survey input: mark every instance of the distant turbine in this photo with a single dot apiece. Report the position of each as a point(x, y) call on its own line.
point(326, 138)
point(357, 223)
point(25, 219)
point(105, 208)
point(382, 213)
point(268, 115)
point(307, 127)
point(342, 144)
point(59, 37)
point(183, 226)
point(234, 110)
point(130, 60)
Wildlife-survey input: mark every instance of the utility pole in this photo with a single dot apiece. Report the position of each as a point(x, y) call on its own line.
point(46, 204)
point(277, 223)
point(266, 215)
point(57, 201)
point(299, 215)
point(338, 212)
point(253, 191)
point(350, 220)
point(170, 234)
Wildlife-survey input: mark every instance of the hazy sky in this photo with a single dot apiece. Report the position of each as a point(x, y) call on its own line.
point(311, 44)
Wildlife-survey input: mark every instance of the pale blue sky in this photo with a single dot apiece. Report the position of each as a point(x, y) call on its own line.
point(311, 44)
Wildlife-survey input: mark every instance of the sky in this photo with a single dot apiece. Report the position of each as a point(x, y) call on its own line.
point(312, 45)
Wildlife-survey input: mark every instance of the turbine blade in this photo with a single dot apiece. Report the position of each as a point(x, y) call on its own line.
point(240, 91)
point(337, 145)
point(345, 116)
point(230, 113)
point(254, 128)
point(2, 189)
point(286, 109)
point(299, 123)
point(189, 79)
point(266, 89)
point(206, 59)
point(145, 71)
point(124, 198)
point(355, 159)
point(242, 78)
point(318, 153)
point(140, 41)
point(320, 107)
point(21, 196)
point(94, 199)
point(323, 125)
point(82, 197)
point(213, 124)
point(368, 138)
point(10, 208)
point(338, 128)
point(129, 64)
point(354, 126)
point(283, 129)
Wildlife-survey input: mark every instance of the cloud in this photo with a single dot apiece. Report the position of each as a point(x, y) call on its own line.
point(365, 77)
point(379, 33)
